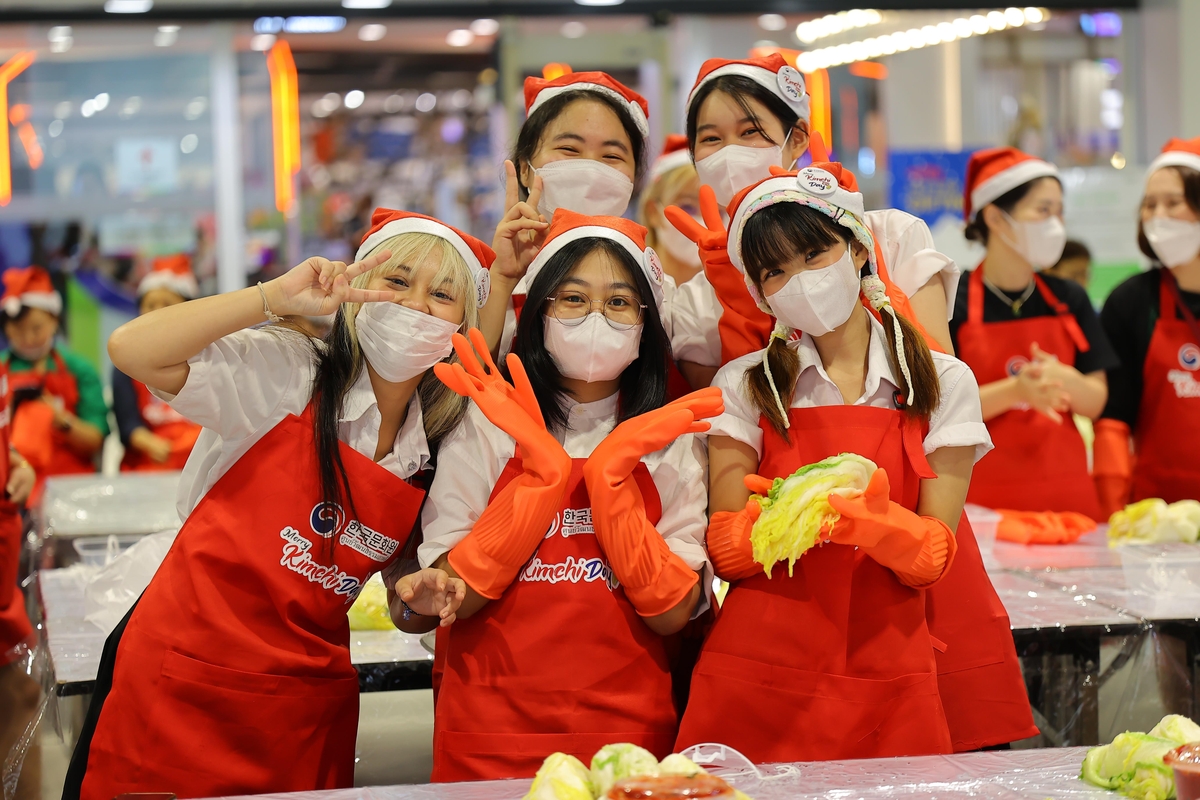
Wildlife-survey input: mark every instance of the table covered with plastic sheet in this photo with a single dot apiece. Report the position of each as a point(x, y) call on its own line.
point(1048, 773)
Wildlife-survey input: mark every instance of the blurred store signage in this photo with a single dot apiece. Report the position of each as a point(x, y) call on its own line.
point(928, 184)
point(299, 24)
point(147, 165)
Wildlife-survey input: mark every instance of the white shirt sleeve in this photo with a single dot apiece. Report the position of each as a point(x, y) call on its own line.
point(912, 257)
point(236, 385)
point(958, 420)
point(470, 461)
point(695, 334)
point(740, 420)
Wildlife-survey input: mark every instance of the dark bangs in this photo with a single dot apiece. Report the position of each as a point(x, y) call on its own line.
point(781, 232)
point(741, 89)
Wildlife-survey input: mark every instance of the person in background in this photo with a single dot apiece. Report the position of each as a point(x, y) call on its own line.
point(59, 415)
point(672, 181)
point(746, 117)
point(574, 513)
point(583, 147)
point(1034, 342)
point(155, 436)
point(1151, 318)
point(1075, 264)
point(834, 660)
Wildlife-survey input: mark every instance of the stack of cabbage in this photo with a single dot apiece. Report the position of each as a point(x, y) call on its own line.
point(370, 609)
point(1133, 763)
point(797, 508)
point(564, 777)
point(1153, 521)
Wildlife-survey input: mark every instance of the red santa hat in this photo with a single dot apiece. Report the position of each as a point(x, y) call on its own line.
point(674, 155)
point(388, 222)
point(1177, 153)
point(539, 90)
point(771, 72)
point(173, 273)
point(30, 287)
point(995, 172)
point(567, 227)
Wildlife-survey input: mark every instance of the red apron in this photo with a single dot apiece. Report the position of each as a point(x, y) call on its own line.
point(164, 421)
point(233, 674)
point(1168, 425)
point(1038, 464)
point(15, 629)
point(561, 662)
point(835, 662)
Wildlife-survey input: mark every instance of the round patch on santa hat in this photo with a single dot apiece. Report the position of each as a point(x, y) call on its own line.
point(817, 182)
point(791, 83)
point(654, 266)
point(483, 287)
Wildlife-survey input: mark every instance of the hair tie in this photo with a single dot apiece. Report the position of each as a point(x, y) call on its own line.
point(779, 332)
point(876, 293)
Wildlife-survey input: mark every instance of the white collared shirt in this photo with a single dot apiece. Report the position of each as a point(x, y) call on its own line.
point(471, 459)
point(240, 387)
point(957, 421)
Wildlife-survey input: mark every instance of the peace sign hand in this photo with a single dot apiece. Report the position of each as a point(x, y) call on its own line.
point(710, 236)
point(318, 286)
point(521, 231)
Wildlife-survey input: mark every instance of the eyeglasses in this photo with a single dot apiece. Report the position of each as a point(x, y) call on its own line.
point(621, 311)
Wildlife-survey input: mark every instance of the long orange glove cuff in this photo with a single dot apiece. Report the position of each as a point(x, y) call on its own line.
point(654, 578)
point(743, 326)
point(1112, 465)
point(728, 541)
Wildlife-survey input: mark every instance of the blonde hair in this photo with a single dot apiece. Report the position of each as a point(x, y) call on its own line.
point(664, 191)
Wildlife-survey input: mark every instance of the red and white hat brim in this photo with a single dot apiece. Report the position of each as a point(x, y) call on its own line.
point(50, 302)
point(183, 285)
point(772, 81)
point(669, 162)
point(639, 116)
point(647, 259)
point(1174, 158)
point(396, 227)
point(1004, 182)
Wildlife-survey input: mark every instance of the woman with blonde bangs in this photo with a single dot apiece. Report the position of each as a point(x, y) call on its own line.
point(300, 487)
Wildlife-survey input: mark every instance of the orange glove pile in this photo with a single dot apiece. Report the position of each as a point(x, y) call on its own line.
point(1042, 527)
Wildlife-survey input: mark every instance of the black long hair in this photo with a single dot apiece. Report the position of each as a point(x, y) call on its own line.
point(742, 90)
point(643, 385)
point(534, 129)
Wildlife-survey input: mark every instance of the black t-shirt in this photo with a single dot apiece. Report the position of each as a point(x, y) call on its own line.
point(125, 406)
point(1100, 355)
point(1129, 317)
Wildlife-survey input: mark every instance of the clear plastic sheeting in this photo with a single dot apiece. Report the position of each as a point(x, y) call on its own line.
point(1091, 550)
point(1051, 773)
point(112, 591)
point(27, 683)
point(95, 505)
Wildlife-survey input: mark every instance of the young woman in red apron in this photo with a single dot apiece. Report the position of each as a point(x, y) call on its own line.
point(1151, 320)
point(232, 673)
point(578, 535)
point(1034, 342)
point(836, 660)
point(583, 147)
point(59, 418)
point(156, 437)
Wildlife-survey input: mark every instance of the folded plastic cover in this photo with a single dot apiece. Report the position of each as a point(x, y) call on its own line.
point(94, 505)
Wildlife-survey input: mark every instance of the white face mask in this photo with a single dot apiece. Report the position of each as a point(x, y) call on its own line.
point(1174, 241)
point(817, 301)
point(583, 186)
point(593, 350)
point(1041, 243)
point(401, 343)
point(736, 166)
point(681, 248)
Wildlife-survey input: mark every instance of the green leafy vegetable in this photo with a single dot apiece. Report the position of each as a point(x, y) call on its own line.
point(561, 777)
point(615, 762)
point(676, 764)
point(1177, 728)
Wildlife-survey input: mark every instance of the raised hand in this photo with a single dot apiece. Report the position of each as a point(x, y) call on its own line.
point(711, 235)
point(319, 286)
point(521, 231)
point(487, 387)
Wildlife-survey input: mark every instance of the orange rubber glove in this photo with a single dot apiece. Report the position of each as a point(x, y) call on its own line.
point(1042, 527)
point(1112, 465)
point(510, 529)
point(728, 537)
point(918, 549)
point(744, 327)
point(654, 578)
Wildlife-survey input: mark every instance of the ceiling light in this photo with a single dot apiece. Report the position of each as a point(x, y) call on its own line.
point(573, 29)
point(962, 27)
point(772, 22)
point(372, 33)
point(100, 101)
point(996, 20)
point(599, 2)
point(166, 35)
point(1014, 16)
point(426, 102)
point(946, 31)
point(188, 143)
point(354, 98)
point(61, 45)
point(1034, 15)
point(979, 24)
point(366, 3)
point(195, 108)
point(59, 33)
point(262, 41)
point(88, 108)
point(485, 27)
point(54, 128)
point(460, 37)
point(128, 6)
point(393, 103)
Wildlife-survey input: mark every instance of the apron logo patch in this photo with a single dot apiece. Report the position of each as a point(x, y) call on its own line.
point(587, 570)
point(297, 556)
point(327, 519)
point(572, 522)
point(1185, 383)
point(1014, 365)
point(1189, 357)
